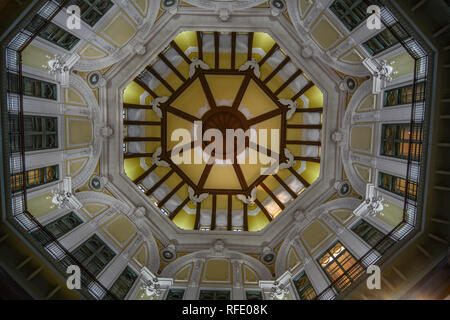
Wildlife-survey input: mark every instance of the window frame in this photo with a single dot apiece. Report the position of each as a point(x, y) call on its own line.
point(92, 7)
point(13, 82)
point(119, 281)
point(386, 38)
point(400, 93)
point(306, 286)
point(348, 278)
point(85, 247)
point(381, 249)
point(394, 185)
point(16, 180)
point(39, 135)
point(351, 11)
point(175, 289)
point(398, 144)
point(215, 292)
point(50, 33)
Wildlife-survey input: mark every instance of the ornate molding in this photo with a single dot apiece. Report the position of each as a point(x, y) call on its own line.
point(83, 177)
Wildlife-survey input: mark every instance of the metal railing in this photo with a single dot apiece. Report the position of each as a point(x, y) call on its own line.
point(18, 214)
point(415, 168)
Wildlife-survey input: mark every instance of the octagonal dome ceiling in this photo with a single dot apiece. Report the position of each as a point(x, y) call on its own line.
point(215, 81)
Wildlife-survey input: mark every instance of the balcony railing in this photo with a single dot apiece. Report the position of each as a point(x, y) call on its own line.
point(412, 206)
point(18, 214)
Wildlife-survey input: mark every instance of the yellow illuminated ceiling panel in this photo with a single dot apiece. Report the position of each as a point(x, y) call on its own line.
point(214, 101)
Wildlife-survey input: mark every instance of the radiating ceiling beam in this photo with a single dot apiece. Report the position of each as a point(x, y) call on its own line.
point(230, 213)
point(145, 174)
point(207, 90)
point(159, 183)
point(304, 143)
point(180, 172)
point(171, 67)
point(308, 86)
point(180, 52)
point(269, 92)
point(240, 95)
point(204, 176)
point(171, 194)
point(308, 159)
point(250, 46)
point(136, 106)
point(264, 210)
point(181, 114)
point(216, 50)
point(245, 209)
point(198, 210)
point(141, 123)
point(233, 50)
point(174, 213)
point(304, 126)
point(145, 87)
point(277, 69)
point(285, 186)
point(265, 116)
point(272, 195)
point(269, 54)
point(299, 177)
point(309, 110)
point(137, 155)
point(214, 212)
point(200, 45)
point(240, 175)
point(141, 139)
point(160, 78)
point(288, 82)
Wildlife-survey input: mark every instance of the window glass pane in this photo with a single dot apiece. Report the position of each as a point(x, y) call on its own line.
point(385, 39)
point(339, 264)
point(397, 140)
point(372, 236)
point(304, 287)
point(403, 95)
point(33, 87)
point(123, 284)
point(351, 13)
point(253, 295)
point(35, 177)
point(39, 132)
point(397, 185)
point(63, 225)
point(94, 255)
point(53, 33)
point(92, 10)
point(175, 294)
point(214, 295)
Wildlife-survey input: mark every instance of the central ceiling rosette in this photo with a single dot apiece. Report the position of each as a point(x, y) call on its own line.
point(229, 132)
